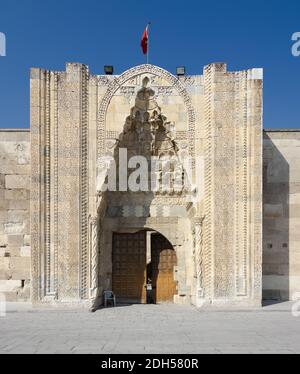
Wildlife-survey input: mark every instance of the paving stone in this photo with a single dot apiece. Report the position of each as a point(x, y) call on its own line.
point(151, 329)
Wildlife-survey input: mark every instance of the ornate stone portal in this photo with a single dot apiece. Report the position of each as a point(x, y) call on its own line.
point(79, 123)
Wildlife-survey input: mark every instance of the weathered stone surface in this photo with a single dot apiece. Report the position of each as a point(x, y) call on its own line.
point(4, 268)
point(14, 228)
point(3, 215)
point(281, 227)
point(176, 329)
point(18, 194)
point(3, 252)
point(14, 212)
point(10, 285)
point(20, 267)
point(18, 205)
point(11, 296)
point(2, 180)
point(77, 117)
point(27, 240)
point(13, 251)
point(3, 240)
point(17, 181)
point(216, 117)
point(273, 210)
point(25, 251)
point(15, 240)
point(4, 204)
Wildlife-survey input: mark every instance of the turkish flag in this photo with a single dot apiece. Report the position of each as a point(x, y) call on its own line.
point(144, 41)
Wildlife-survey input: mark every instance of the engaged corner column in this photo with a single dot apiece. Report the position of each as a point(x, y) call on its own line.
point(199, 258)
point(95, 257)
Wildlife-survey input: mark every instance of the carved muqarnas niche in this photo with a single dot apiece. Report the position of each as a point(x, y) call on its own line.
point(149, 134)
point(147, 131)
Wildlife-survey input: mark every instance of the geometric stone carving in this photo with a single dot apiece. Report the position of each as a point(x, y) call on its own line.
point(219, 256)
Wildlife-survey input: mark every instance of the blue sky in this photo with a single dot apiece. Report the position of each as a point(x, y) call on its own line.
point(244, 34)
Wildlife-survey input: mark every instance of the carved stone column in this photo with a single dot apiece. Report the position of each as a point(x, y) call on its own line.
point(94, 258)
point(199, 258)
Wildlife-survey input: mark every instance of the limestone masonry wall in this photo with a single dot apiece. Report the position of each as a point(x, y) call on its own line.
point(281, 225)
point(14, 214)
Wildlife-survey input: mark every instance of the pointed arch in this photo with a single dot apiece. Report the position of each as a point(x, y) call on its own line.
point(120, 80)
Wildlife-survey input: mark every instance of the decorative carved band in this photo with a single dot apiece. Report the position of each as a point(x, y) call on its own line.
point(84, 182)
point(94, 257)
point(47, 173)
point(118, 81)
point(50, 176)
point(36, 117)
point(55, 183)
point(208, 180)
point(199, 255)
point(241, 206)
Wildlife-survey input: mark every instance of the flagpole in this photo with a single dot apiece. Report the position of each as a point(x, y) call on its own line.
point(148, 46)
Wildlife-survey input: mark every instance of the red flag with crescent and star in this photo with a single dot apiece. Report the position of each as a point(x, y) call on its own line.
point(144, 41)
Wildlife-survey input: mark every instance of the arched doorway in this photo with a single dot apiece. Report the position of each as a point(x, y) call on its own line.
point(139, 259)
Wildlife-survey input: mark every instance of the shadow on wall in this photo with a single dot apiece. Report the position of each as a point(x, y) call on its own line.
point(275, 265)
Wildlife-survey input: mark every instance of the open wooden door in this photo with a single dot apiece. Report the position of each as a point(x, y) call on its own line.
point(163, 260)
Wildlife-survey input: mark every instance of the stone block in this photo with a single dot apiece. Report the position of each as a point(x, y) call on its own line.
point(15, 240)
point(3, 216)
point(10, 285)
point(25, 293)
point(13, 251)
point(4, 268)
point(3, 204)
point(7, 163)
point(12, 167)
point(2, 180)
point(17, 181)
point(273, 210)
point(271, 294)
point(27, 240)
point(20, 267)
point(18, 215)
point(4, 252)
point(294, 187)
point(3, 240)
point(27, 226)
point(23, 153)
point(14, 228)
point(275, 282)
point(11, 296)
point(19, 205)
point(16, 136)
point(19, 194)
point(276, 257)
point(25, 251)
point(8, 148)
point(35, 73)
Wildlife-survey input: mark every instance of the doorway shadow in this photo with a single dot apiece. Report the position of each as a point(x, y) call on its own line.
point(276, 246)
point(120, 305)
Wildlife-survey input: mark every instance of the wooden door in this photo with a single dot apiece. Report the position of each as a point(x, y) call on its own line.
point(163, 260)
point(129, 267)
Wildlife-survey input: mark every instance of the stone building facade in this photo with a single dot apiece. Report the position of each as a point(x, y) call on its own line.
point(281, 235)
point(15, 251)
point(208, 241)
